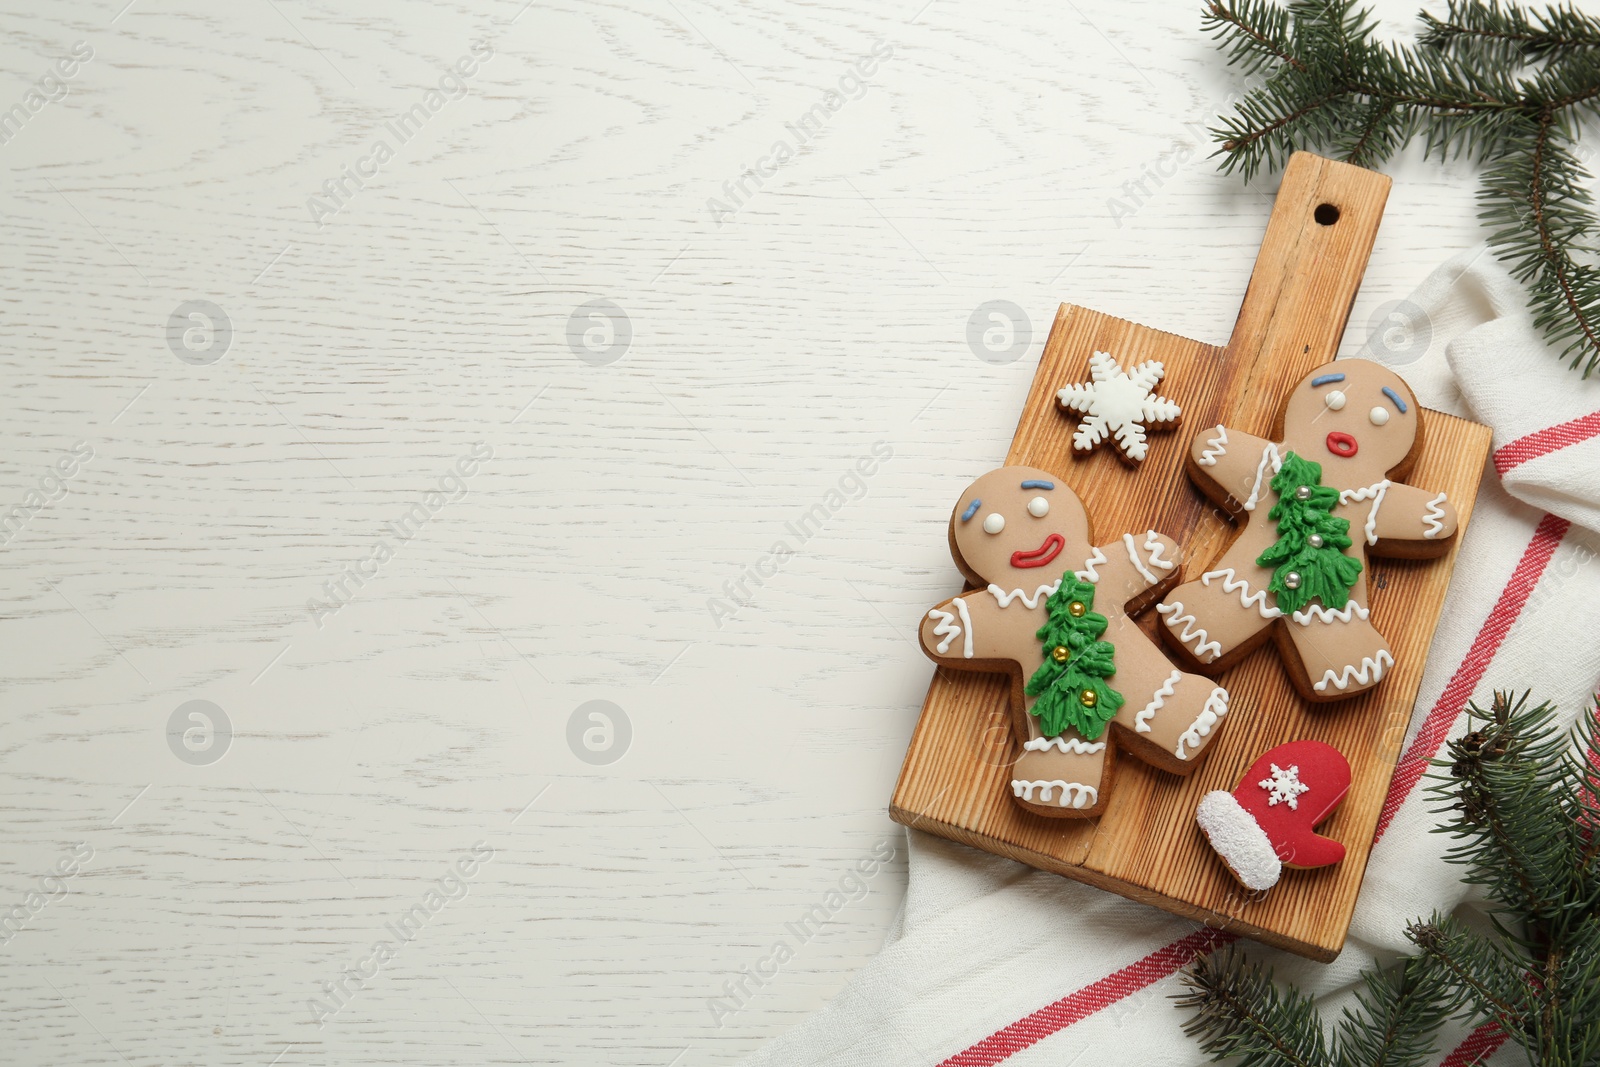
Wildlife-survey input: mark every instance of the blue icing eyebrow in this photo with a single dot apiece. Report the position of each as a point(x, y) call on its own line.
point(1392, 395)
point(1328, 379)
point(972, 509)
point(1036, 484)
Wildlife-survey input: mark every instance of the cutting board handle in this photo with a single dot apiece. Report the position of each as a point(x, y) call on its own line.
point(1310, 266)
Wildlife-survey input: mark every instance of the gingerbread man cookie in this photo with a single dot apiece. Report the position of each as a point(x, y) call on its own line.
point(1315, 504)
point(1078, 663)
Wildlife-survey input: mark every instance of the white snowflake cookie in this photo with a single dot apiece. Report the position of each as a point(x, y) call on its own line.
point(1119, 405)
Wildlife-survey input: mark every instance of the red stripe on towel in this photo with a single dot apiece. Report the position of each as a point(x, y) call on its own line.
point(1031, 1029)
point(1436, 727)
point(1543, 442)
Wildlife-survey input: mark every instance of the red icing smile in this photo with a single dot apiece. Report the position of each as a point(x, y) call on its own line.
point(1342, 444)
point(1040, 556)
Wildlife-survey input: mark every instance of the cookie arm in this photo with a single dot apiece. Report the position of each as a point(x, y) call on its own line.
point(1126, 567)
point(963, 628)
point(1412, 514)
point(1228, 458)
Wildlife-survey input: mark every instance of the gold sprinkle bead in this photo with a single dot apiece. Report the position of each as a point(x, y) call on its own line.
point(1060, 654)
point(1076, 609)
point(1089, 698)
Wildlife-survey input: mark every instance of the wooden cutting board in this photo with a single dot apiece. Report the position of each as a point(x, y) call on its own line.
point(956, 781)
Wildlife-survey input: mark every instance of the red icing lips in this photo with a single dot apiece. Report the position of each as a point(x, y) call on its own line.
point(1342, 444)
point(1040, 556)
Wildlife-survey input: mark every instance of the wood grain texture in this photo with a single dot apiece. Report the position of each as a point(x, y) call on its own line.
point(955, 780)
point(994, 156)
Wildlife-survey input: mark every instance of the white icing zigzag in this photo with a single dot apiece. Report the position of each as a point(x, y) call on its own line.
point(1006, 598)
point(1433, 518)
point(1138, 564)
point(1153, 545)
point(1374, 493)
point(1369, 673)
point(1230, 584)
point(1216, 707)
point(1064, 744)
point(1190, 630)
point(1322, 614)
point(1268, 455)
point(1215, 448)
point(1089, 574)
point(1141, 721)
point(945, 627)
point(966, 621)
point(1073, 794)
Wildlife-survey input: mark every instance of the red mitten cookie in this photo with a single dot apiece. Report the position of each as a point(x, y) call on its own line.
point(1267, 823)
point(1315, 504)
point(1079, 665)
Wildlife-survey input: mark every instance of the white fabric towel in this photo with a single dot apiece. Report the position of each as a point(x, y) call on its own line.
point(993, 962)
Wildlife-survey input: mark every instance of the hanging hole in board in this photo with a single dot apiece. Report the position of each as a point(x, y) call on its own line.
point(1326, 214)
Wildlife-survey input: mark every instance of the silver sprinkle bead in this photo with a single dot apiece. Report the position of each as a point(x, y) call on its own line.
point(1315, 540)
point(1303, 493)
point(1291, 580)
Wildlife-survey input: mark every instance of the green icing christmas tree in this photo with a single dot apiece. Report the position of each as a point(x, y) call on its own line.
point(1071, 683)
point(1308, 557)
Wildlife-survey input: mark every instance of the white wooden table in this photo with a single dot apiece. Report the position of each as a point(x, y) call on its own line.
point(225, 874)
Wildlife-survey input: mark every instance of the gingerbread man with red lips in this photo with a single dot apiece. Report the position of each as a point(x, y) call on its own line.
point(1315, 504)
point(1052, 611)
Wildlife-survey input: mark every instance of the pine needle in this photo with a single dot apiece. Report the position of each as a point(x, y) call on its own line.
point(1505, 86)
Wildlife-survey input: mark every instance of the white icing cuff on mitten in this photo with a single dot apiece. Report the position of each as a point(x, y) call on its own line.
point(1073, 794)
point(1216, 707)
point(1239, 840)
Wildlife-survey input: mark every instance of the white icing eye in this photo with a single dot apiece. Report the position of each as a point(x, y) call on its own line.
point(1038, 507)
point(994, 522)
point(1334, 400)
point(1378, 415)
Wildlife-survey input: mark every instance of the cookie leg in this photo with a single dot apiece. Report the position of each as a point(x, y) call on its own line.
point(1180, 717)
point(1218, 615)
point(1342, 654)
point(1063, 777)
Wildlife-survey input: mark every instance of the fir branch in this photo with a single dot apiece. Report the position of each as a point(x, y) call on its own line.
point(1487, 32)
point(1558, 283)
point(1476, 970)
point(1256, 33)
point(1332, 86)
point(1583, 805)
point(1503, 798)
point(1239, 1012)
point(1401, 1011)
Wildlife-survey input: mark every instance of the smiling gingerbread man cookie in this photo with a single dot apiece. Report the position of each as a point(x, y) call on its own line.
point(1051, 611)
point(1316, 504)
